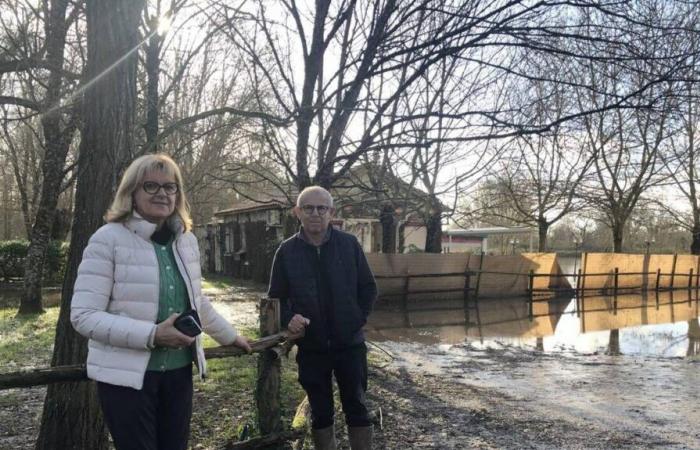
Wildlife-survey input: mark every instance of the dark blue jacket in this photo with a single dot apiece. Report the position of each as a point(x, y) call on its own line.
point(331, 285)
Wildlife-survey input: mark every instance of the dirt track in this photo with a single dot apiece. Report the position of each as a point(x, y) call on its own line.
point(520, 399)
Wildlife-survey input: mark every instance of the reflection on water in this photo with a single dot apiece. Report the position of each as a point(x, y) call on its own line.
point(648, 324)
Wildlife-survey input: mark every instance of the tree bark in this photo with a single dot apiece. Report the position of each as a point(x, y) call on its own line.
point(542, 228)
point(388, 221)
point(618, 234)
point(614, 343)
point(71, 418)
point(433, 237)
point(695, 240)
point(152, 98)
point(693, 338)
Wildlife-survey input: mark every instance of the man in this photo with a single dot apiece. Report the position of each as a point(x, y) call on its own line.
point(326, 290)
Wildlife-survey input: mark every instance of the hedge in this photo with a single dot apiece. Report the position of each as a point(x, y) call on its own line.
point(12, 254)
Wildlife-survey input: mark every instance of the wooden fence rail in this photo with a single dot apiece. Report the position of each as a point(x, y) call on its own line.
point(272, 344)
point(62, 374)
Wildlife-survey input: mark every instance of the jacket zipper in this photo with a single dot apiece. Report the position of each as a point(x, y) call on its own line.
point(321, 304)
point(182, 267)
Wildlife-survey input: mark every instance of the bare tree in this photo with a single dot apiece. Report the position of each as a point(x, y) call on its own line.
point(71, 416)
point(540, 174)
point(58, 130)
point(681, 159)
point(41, 94)
point(330, 77)
point(626, 144)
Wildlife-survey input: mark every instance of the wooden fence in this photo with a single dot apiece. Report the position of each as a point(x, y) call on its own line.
point(270, 347)
point(467, 284)
point(453, 276)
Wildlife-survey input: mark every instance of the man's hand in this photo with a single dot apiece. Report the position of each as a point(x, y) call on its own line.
point(244, 343)
point(297, 326)
point(169, 336)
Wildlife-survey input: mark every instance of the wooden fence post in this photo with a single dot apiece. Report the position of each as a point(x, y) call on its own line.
point(531, 288)
point(578, 293)
point(267, 389)
point(404, 300)
point(467, 282)
point(617, 282)
point(478, 277)
point(690, 286)
point(673, 270)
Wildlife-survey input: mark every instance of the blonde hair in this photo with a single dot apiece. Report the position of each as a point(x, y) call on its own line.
point(122, 207)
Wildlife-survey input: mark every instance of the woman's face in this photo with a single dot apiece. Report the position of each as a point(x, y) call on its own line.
point(158, 203)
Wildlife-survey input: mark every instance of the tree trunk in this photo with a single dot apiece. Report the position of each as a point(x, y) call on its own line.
point(614, 343)
point(693, 338)
point(388, 221)
point(56, 144)
point(695, 240)
point(71, 418)
point(152, 99)
point(542, 228)
point(6, 204)
point(402, 236)
point(433, 237)
point(618, 231)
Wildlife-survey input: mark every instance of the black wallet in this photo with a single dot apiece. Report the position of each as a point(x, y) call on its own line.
point(188, 323)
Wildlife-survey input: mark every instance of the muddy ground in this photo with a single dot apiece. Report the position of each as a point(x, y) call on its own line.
point(459, 397)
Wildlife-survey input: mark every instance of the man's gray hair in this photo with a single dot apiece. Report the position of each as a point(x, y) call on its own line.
point(315, 189)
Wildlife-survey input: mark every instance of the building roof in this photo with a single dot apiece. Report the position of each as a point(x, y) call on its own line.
point(245, 206)
point(485, 232)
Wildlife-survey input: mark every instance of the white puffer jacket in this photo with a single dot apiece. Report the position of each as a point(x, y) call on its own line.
point(115, 300)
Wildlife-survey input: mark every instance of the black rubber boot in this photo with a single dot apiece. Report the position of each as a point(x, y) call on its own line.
point(324, 438)
point(360, 438)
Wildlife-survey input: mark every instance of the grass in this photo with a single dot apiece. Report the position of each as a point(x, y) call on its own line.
point(225, 402)
point(212, 281)
point(26, 341)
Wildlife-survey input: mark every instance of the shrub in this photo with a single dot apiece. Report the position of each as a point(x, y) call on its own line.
point(12, 254)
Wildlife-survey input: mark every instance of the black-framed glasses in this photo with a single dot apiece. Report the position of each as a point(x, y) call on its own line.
point(321, 209)
point(151, 187)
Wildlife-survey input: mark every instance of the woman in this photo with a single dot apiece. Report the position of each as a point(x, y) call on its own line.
point(139, 272)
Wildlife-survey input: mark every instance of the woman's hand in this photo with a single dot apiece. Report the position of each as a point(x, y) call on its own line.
point(244, 343)
point(169, 336)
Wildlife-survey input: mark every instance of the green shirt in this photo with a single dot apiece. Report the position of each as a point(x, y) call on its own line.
point(172, 298)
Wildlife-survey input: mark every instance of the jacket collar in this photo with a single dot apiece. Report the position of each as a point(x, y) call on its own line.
point(300, 235)
point(144, 229)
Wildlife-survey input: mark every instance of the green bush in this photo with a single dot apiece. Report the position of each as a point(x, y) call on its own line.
point(12, 254)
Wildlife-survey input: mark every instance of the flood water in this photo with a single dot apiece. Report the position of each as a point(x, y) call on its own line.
point(649, 324)
point(625, 364)
point(667, 328)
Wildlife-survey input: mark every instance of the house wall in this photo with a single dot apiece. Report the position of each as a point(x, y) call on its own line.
point(362, 229)
point(414, 235)
point(460, 244)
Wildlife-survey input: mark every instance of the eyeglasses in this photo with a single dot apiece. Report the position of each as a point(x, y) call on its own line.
point(151, 187)
point(309, 209)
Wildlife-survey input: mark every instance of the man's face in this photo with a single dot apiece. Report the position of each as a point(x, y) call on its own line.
point(314, 221)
